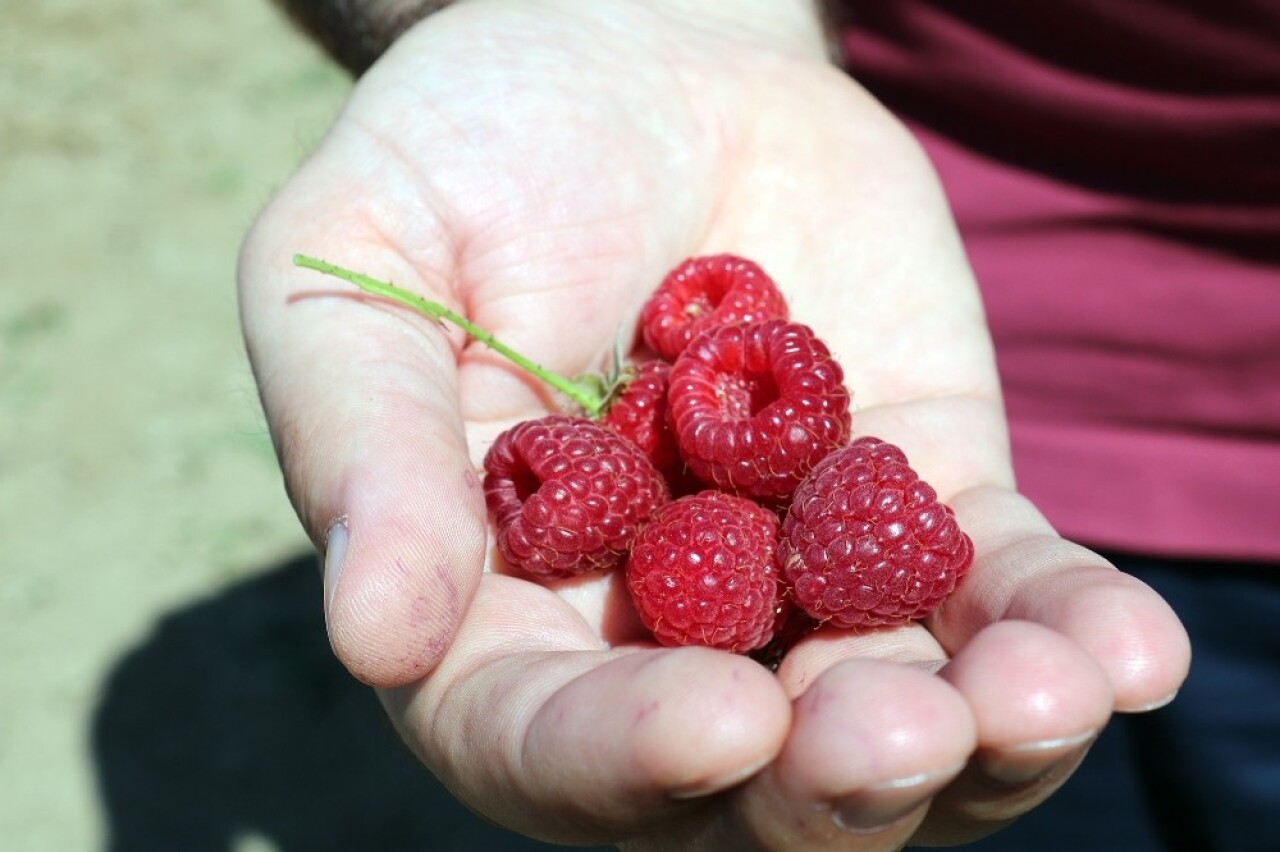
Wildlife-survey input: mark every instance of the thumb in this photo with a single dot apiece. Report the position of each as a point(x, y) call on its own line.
point(363, 409)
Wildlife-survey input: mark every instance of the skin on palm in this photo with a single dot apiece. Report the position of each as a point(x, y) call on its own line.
point(538, 170)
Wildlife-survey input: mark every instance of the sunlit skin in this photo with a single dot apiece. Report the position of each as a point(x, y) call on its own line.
point(537, 167)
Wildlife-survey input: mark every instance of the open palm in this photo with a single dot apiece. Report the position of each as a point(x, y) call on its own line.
point(538, 167)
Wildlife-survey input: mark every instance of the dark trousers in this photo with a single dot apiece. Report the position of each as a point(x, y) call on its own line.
point(1203, 773)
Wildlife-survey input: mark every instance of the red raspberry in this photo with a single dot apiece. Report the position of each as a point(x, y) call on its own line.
point(639, 413)
point(702, 572)
point(568, 495)
point(704, 292)
point(755, 406)
point(866, 542)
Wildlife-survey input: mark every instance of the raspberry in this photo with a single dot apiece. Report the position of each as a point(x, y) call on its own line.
point(755, 406)
point(702, 572)
point(866, 542)
point(639, 413)
point(703, 292)
point(567, 495)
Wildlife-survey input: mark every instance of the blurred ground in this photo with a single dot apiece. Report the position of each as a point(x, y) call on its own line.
point(165, 682)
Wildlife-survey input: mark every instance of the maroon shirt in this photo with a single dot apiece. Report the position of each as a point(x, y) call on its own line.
point(1114, 167)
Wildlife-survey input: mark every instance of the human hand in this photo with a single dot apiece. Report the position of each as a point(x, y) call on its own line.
point(537, 167)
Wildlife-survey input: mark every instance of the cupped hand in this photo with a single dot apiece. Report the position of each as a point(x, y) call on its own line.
point(537, 167)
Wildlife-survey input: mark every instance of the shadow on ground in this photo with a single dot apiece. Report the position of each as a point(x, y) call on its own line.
point(233, 720)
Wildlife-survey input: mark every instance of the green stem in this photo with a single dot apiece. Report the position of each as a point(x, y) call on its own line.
point(592, 403)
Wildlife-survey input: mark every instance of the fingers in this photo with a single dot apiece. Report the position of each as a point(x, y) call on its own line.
point(992, 734)
point(872, 742)
point(1038, 702)
point(660, 739)
point(362, 406)
point(568, 742)
point(1031, 691)
point(1025, 571)
point(888, 741)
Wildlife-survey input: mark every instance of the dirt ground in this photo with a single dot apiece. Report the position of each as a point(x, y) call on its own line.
point(165, 682)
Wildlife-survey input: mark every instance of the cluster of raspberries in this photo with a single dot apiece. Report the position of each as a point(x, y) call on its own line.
point(723, 480)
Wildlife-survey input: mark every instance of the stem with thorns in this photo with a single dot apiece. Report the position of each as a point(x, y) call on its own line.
point(580, 391)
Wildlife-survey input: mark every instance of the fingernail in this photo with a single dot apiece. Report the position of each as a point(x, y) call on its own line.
point(879, 806)
point(1154, 705)
point(1023, 764)
point(335, 551)
point(720, 782)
